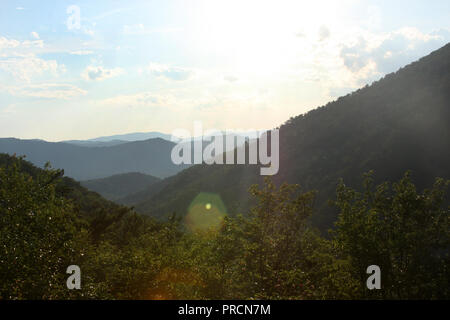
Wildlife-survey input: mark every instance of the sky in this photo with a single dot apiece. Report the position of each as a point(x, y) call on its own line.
point(82, 69)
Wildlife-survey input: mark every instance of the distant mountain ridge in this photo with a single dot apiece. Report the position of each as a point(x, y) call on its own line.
point(89, 143)
point(108, 141)
point(99, 158)
point(136, 136)
point(84, 163)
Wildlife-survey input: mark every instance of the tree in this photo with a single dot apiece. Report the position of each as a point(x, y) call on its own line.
point(285, 257)
point(404, 232)
point(39, 235)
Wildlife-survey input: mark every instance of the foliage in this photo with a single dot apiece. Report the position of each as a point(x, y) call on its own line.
point(48, 223)
point(404, 232)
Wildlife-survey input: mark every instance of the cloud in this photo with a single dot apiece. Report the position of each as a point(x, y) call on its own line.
point(392, 51)
point(20, 8)
point(169, 72)
point(184, 103)
point(47, 91)
point(26, 67)
point(100, 73)
point(20, 59)
point(355, 56)
point(8, 43)
point(33, 44)
point(16, 44)
point(142, 99)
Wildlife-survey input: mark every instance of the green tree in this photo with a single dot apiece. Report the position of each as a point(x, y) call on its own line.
point(39, 235)
point(285, 258)
point(404, 232)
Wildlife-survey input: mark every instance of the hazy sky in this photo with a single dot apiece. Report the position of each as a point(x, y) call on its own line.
point(128, 66)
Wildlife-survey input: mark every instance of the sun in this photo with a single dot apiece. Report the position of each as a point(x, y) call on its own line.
point(258, 36)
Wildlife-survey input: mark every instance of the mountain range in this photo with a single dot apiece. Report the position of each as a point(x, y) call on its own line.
point(127, 137)
point(398, 123)
point(85, 163)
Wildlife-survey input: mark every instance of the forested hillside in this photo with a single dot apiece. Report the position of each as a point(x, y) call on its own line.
point(398, 123)
point(48, 223)
point(120, 185)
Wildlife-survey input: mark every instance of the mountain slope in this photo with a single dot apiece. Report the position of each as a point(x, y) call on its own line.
point(399, 123)
point(86, 203)
point(84, 163)
point(120, 185)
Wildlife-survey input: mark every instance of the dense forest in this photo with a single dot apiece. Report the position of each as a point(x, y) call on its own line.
point(48, 222)
point(120, 185)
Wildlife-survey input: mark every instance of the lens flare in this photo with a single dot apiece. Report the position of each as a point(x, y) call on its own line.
point(206, 211)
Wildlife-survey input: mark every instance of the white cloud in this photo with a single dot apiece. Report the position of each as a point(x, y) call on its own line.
point(99, 73)
point(25, 67)
point(169, 72)
point(142, 99)
point(16, 44)
point(20, 59)
point(369, 56)
point(48, 91)
point(8, 43)
point(33, 44)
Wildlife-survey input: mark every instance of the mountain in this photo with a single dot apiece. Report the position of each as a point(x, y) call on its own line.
point(85, 163)
point(398, 123)
point(86, 203)
point(108, 141)
point(90, 143)
point(117, 139)
point(137, 136)
point(120, 185)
